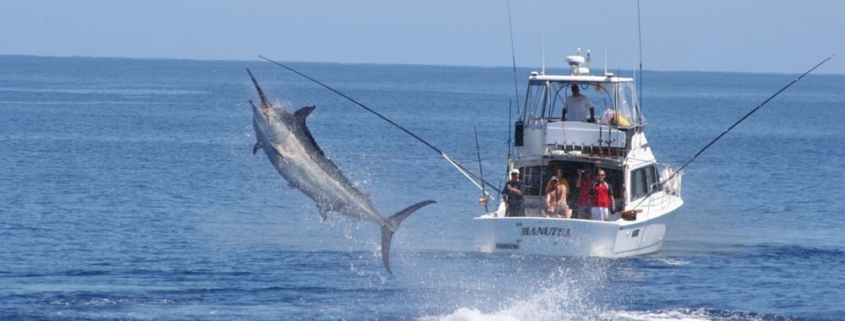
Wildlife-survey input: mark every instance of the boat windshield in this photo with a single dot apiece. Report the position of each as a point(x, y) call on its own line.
point(614, 102)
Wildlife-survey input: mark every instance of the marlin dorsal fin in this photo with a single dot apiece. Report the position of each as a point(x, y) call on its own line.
point(299, 121)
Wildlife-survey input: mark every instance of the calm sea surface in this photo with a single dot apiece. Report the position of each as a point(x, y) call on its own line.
point(128, 191)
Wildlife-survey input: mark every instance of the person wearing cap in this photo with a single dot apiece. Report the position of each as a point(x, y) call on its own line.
point(512, 194)
point(576, 107)
point(556, 200)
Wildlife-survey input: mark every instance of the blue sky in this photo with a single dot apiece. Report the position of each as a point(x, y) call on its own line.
point(715, 35)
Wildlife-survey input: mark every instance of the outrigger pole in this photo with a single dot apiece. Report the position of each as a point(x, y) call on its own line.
point(674, 173)
point(513, 58)
point(515, 87)
point(454, 163)
point(749, 114)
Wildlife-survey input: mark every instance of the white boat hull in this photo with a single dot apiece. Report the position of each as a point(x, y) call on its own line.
point(570, 237)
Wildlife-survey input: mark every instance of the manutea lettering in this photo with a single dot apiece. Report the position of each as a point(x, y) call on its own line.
point(549, 231)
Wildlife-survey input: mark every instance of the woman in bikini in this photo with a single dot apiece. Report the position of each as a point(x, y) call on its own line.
point(556, 200)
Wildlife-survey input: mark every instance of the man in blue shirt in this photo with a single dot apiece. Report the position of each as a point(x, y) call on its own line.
point(513, 192)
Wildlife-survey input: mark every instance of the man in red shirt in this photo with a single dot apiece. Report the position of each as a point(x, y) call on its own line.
point(601, 198)
point(585, 185)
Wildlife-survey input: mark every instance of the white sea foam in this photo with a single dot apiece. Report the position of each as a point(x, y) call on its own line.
point(522, 314)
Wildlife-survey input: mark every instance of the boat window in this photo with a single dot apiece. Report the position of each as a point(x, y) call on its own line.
point(560, 90)
point(651, 179)
point(535, 104)
point(644, 181)
point(639, 183)
point(628, 107)
point(532, 176)
point(618, 107)
point(615, 103)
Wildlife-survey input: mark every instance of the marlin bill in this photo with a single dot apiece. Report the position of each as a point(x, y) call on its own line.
point(291, 149)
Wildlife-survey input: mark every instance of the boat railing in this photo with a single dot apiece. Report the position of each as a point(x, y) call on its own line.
point(663, 194)
point(540, 137)
point(670, 179)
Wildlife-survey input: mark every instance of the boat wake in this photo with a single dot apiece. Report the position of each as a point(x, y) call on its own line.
point(684, 314)
point(562, 302)
point(580, 289)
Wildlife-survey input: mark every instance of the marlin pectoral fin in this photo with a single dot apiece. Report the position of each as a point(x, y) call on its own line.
point(323, 213)
point(369, 199)
point(256, 147)
point(387, 231)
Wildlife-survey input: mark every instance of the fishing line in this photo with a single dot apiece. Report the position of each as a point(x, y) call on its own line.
point(675, 173)
point(454, 163)
point(753, 111)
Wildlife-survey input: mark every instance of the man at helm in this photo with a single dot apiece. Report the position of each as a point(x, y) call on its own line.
point(577, 105)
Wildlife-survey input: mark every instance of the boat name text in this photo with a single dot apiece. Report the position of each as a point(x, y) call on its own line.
point(549, 231)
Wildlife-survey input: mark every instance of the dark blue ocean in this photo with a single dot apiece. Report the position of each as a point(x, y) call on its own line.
point(129, 191)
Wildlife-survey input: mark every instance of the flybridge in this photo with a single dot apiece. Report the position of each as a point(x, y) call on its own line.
point(541, 128)
point(613, 98)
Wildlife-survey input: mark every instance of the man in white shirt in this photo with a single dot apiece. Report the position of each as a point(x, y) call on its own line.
point(577, 105)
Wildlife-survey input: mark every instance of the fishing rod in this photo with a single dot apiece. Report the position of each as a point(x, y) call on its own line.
point(675, 173)
point(467, 173)
point(484, 196)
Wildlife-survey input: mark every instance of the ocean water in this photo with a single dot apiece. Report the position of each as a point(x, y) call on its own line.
point(129, 191)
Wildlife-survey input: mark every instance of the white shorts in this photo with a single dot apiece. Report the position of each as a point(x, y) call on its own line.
point(599, 213)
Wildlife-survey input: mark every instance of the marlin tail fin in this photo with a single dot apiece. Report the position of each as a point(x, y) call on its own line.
point(387, 231)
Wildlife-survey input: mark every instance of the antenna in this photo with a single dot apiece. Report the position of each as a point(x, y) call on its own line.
point(605, 37)
point(640, 79)
point(543, 35)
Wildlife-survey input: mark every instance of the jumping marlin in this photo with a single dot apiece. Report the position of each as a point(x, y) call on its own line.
point(295, 155)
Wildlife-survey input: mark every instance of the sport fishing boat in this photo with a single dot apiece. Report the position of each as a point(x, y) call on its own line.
point(646, 193)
